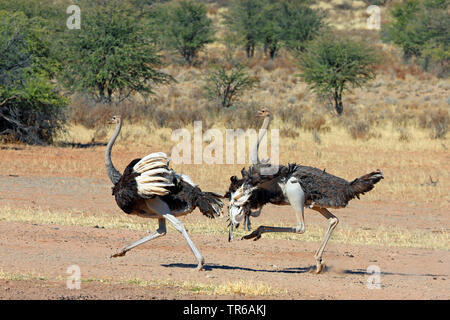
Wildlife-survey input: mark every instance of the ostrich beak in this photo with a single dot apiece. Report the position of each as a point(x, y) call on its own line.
point(230, 232)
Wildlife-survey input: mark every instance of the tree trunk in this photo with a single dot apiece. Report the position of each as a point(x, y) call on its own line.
point(101, 92)
point(250, 49)
point(338, 103)
point(273, 51)
point(110, 92)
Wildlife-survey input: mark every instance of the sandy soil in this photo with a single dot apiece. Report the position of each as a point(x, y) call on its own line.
point(46, 251)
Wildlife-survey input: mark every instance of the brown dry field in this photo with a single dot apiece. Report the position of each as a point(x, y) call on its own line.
point(57, 210)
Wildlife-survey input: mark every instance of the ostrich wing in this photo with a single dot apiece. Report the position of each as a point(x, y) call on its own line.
point(322, 188)
point(153, 175)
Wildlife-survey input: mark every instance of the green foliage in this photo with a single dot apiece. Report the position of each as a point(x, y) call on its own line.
point(274, 23)
point(421, 28)
point(15, 57)
point(50, 11)
point(331, 64)
point(185, 27)
point(227, 84)
point(299, 24)
point(30, 109)
point(270, 30)
point(113, 54)
point(376, 2)
point(245, 21)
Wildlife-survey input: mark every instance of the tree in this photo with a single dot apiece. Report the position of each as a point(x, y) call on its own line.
point(245, 20)
point(227, 84)
point(270, 33)
point(188, 29)
point(31, 110)
point(421, 28)
point(299, 23)
point(331, 64)
point(290, 24)
point(112, 53)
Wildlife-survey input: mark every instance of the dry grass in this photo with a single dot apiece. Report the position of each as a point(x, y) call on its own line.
point(230, 288)
point(380, 236)
point(244, 288)
point(407, 165)
point(14, 276)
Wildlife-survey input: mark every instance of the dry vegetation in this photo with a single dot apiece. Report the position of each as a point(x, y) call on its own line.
point(242, 288)
point(398, 123)
point(380, 236)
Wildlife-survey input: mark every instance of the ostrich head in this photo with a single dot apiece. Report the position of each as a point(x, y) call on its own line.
point(114, 120)
point(239, 203)
point(264, 113)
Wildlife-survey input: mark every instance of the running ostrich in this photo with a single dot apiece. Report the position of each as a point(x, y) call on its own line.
point(148, 188)
point(297, 186)
point(257, 162)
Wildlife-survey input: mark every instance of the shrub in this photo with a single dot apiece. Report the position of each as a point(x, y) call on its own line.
point(288, 133)
point(437, 121)
point(421, 28)
point(187, 28)
point(31, 111)
point(332, 64)
point(404, 135)
point(226, 86)
point(359, 130)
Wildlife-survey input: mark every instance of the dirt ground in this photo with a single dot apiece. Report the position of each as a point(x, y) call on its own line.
point(46, 251)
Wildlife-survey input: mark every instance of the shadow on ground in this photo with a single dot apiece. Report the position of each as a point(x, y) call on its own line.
point(78, 145)
point(210, 267)
point(364, 272)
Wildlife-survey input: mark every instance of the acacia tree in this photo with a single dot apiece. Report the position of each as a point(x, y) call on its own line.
point(187, 28)
point(270, 34)
point(421, 29)
point(227, 84)
point(290, 24)
point(31, 110)
point(299, 23)
point(112, 54)
point(333, 64)
point(245, 21)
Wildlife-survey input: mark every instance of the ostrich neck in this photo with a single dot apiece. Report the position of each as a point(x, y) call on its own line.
point(261, 134)
point(113, 174)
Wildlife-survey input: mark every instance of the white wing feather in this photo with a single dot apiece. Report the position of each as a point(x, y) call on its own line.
point(155, 176)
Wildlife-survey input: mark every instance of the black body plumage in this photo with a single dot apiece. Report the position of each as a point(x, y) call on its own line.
point(321, 188)
point(186, 197)
point(182, 197)
point(125, 191)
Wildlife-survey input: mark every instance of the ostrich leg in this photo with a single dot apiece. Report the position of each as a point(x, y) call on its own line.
point(158, 233)
point(333, 221)
point(247, 222)
point(161, 208)
point(296, 197)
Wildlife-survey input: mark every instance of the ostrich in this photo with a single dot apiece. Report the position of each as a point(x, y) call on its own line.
point(297, 186)
point(256, 161)
point(148, 188)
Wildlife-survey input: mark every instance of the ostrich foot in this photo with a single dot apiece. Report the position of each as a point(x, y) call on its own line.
point(199, 268)
point(320, 266)
point(255, 234)
point(119, 254)
point(200, 265)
